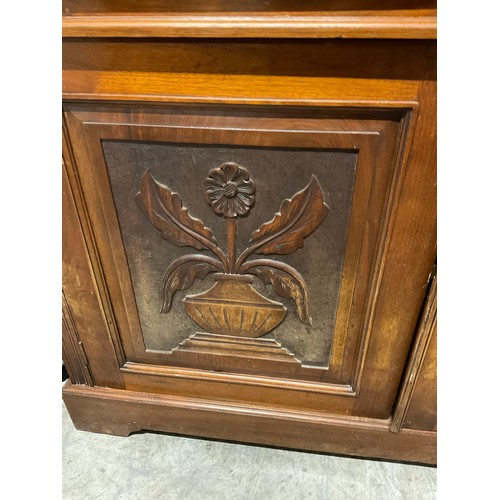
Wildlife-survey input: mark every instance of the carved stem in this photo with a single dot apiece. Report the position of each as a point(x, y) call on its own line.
point(231, 243)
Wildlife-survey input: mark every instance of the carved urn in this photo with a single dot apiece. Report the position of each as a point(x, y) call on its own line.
point(233, 307)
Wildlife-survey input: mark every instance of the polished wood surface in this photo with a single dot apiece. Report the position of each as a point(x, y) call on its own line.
point(111, 411)
point(418, 387)
point(338, 372)
point(288, 26)
point(316, 72)
point(250, 19)
point(130, 7)
point(366, 245)
point(422, 405)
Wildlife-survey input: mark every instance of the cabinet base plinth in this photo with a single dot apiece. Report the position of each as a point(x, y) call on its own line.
point(120, 412)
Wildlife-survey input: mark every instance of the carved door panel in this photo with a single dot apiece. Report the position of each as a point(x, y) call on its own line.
point(239, 251)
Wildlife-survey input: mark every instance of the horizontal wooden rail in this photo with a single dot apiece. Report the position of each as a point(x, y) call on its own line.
point(250, 26)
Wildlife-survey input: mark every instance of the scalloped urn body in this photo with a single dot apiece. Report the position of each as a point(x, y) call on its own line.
point(233, 307)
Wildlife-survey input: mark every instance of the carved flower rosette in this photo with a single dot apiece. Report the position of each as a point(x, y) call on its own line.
point(232, 306)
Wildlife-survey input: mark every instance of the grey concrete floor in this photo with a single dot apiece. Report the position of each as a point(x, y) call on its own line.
point(146, 466)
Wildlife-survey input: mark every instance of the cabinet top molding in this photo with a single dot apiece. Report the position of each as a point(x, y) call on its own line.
point(402, 24)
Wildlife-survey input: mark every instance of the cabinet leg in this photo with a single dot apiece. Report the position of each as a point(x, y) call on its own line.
point(95, 416)
point(112, 428)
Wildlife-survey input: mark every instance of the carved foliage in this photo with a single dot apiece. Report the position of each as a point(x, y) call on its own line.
point(288, 284)
point(297, 218)
point(164, 210)
point(230, 192)
point(181, 274)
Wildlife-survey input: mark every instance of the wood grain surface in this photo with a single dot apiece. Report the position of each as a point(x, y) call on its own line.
point(421, 364)
point(111, 411)
point(251, 19)
point(369, 97)
point(88, 127)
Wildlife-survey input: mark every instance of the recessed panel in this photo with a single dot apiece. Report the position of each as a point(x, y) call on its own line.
point(242, 246)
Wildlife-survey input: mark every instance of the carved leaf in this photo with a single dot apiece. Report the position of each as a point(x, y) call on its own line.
point(297, 218)
point(287, 286)
point(181, 274)
point(164, 210)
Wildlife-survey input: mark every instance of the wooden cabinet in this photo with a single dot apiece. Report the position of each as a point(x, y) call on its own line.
point(249, 225)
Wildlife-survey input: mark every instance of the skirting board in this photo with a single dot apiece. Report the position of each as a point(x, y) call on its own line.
point(120, 412)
